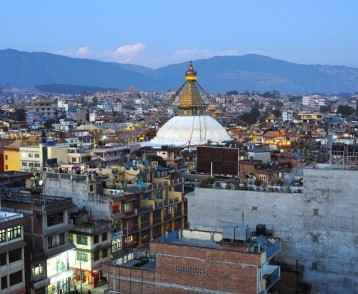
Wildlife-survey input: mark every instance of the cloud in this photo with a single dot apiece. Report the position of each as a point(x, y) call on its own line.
point(83, 52)
point(127, 53)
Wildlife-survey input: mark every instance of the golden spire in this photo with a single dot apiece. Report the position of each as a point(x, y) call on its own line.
point(190, 101)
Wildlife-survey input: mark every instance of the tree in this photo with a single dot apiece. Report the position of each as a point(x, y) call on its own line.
point(345, 110)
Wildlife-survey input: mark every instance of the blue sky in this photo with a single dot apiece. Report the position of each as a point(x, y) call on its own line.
point(159, 32)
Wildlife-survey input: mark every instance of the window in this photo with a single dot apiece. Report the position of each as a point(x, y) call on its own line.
point(127, 207)
point(37, 271)
point(55, 219)
point(104, 236)
point(4, 282)
point(6, 157)
point(82, 239)
point(16, 278)
point(55, 240)
point(314, 266)
point(2, 236)
point(6, 167)
point(14, 232)
point(62, 239)
point(104, 253)
point(116, 245)
point(96, 255)
point(81, 256)
point(96, 239)
point(15, 255)
point(30, 155)
point(315, 211)
point(37, 155)
point(3, 260)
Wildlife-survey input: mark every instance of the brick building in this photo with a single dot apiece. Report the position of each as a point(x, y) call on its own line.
point(198, 262)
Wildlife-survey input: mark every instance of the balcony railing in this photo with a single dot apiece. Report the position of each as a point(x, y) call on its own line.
point(271, 275)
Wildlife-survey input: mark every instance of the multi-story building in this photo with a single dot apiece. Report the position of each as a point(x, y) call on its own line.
point(93, 241)
point(141, 202)
point(111, 154)
point(33, 157)
point(40, 111)
point(12, 266)
point(48, 250)
point(199, 262)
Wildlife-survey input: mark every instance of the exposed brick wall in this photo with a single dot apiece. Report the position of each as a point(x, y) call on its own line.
point(185, 269)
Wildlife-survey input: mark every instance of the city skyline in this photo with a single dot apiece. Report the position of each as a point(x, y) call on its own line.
point(160, 33)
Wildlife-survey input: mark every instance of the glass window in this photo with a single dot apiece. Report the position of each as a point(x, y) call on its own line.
point(2, 235)
point(15, 255)
point(116, 245)
point(38, 271)
point(4, 282)
point(15, 278)
point(3, 259)
point(82, 239)
point(81, 256)
point(14, 232)
point(104, 236)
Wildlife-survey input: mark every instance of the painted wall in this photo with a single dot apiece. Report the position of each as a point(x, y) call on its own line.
point(12, 160)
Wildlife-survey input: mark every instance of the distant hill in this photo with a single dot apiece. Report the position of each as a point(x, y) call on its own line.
point(24, 69)
point(216, 74)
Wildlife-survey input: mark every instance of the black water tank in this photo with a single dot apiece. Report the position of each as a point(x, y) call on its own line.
point(260, 229)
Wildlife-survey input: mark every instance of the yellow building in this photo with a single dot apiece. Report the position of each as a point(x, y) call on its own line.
point(12, 157)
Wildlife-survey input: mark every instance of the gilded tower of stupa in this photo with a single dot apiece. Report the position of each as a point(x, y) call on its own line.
point(190, 101)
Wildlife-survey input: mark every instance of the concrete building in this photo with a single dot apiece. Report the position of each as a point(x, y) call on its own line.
point(12, 255)
point(48, 250)
point(199, 262)
point(40, 111)
point(33, 158)
point(318, 228)
point(93, 241)
point(58, 152)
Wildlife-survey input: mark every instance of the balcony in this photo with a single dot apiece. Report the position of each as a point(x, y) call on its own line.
point(272, 246)
point(125, 214)
point(271, 275)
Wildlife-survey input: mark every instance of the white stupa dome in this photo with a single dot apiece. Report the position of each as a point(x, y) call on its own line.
point(193, 127)
point(191, 130)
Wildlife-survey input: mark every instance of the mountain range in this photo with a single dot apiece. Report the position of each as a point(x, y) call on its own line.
point(216, 74)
